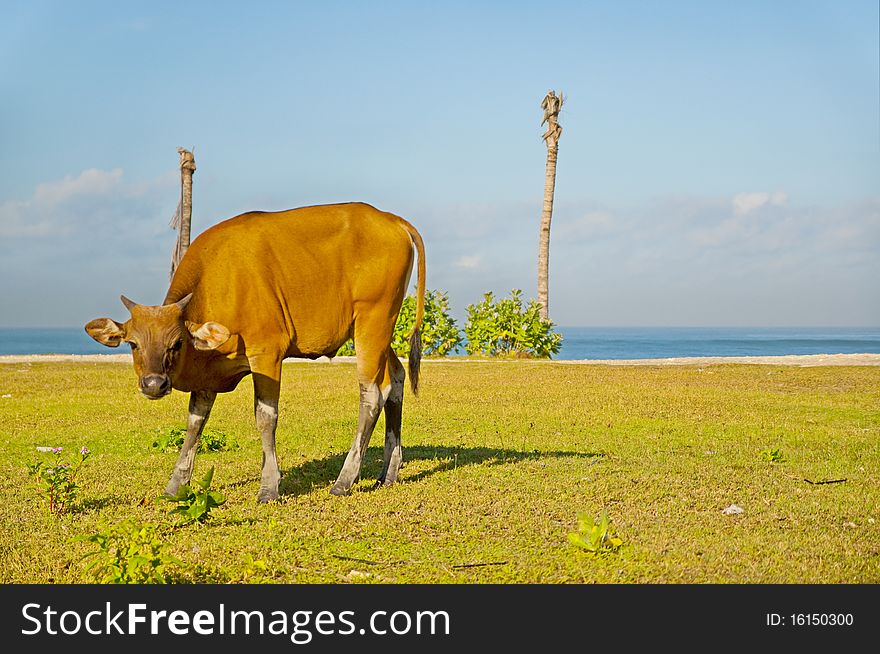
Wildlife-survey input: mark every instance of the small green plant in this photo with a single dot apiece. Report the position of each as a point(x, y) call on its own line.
point(773, 455)
point(129, 553)
point(59, 479)
point(246, 571)
point(253, 571)
point(507, 328)
point(440, 335)
point(196, 505)
point(211, 440)
point(594, 538)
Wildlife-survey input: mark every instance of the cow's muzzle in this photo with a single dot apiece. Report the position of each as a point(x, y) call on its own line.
point(154, 387)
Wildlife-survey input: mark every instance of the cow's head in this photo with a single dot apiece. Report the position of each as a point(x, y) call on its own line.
point(160, 340)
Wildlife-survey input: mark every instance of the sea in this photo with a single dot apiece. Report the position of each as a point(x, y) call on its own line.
point(578, 342)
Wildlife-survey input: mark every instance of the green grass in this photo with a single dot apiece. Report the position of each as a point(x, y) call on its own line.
point(499, 458)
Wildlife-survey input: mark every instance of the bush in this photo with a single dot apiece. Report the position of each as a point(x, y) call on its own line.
point(129, 553)
point(211, 440)
point(59, 479)
point(504, 327)
point(440, 336)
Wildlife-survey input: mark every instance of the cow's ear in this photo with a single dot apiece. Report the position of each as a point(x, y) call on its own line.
point(106, 332)
point(208, 335)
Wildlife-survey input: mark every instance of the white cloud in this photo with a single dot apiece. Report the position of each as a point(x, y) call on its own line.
point(701, 261)
point(48, 212)
point(78, 242)
point(610, 264)
point(744, 203)
point(468, 261)
point(14, 222)
point(589, 225)
point(81, 205)
point(88, 182)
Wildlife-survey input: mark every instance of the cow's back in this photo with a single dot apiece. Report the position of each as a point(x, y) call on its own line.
point(295, 280)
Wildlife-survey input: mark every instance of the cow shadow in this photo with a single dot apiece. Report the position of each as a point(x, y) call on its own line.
point(320, 473)
point(97, 503)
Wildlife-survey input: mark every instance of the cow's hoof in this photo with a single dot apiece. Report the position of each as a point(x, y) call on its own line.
point(267, 495)
point(339, 491)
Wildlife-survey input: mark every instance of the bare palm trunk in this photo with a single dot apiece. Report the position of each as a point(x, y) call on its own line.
point(183, 216)
point(551, 105)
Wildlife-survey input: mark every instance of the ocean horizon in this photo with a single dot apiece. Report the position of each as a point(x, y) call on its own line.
point(578, 342)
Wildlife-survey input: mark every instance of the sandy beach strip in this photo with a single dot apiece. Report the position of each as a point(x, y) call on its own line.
point(785, 360)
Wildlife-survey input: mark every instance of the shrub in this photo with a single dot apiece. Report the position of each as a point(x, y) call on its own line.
point(347, 350)
point(504, 327)
point(440, 336)
point(59, 479)
point(211, 440)
point(129, 553)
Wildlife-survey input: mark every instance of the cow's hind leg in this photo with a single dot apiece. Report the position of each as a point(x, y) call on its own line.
point(393, 418)
point(267, 389)
point(375, 387)
point(200, 403)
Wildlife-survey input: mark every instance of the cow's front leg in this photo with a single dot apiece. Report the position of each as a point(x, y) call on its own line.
point(267, 389)
point(200, 403)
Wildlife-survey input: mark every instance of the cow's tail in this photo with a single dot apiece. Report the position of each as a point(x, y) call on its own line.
point(415, 338)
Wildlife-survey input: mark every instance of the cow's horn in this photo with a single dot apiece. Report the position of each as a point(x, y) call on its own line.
point(182, 302)
point(128, 303)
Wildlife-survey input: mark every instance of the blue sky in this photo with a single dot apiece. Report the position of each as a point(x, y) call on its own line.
point(719, 163)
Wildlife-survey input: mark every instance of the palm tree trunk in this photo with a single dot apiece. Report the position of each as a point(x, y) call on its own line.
point(183, 217)
point(551, 106)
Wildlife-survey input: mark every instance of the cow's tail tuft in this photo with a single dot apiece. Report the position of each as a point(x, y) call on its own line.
point(415, 339)
point(415, 359)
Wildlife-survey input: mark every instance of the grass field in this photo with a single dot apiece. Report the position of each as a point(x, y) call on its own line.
point(499, 458)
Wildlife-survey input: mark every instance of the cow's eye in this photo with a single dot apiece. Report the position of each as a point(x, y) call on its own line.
point(176, 345)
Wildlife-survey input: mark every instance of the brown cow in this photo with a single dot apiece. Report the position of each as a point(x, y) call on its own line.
point(260, 287)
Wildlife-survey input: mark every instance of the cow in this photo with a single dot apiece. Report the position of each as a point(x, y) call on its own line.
point(263, 286)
